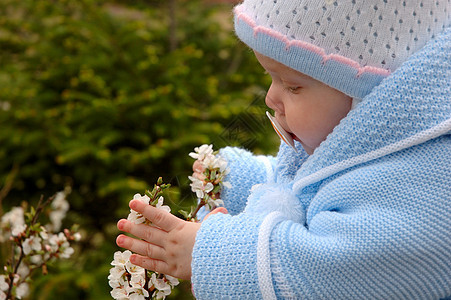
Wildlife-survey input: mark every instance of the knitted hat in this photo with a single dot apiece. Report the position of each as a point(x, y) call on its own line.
point(350, 45)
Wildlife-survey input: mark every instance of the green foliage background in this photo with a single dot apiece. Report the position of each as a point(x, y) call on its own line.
point(105, 97)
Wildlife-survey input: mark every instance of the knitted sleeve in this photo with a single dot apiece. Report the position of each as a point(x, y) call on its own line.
point(224, 263)
point(245, 170)
point(379, 231)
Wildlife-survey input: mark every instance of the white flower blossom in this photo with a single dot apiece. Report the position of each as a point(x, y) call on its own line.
point(200, 187)
point(23, 271)
point(216, 170)
point(144, 199)
point(53, 243)
point(30, 244)
point(60, 207)
point(116, 278)
point(172, 280)
point(117, 281)
point(215, 162)
point(58, 243)
point(134, 269)
point(43, 233)
point(3, 284)
point(22, 290)
point(163, 287)
point(214, 203)
point(18, 229)
point(14, 217)
point(122, 288)
point(221, 164)
point(2, 296)
point(67, 252)
point(56, 219)
point(116, 275)
point(77, 236)
point(119, 293)
point(161, 206)
point(121, 258)
point(137, 293)
point(207, 188)
point(135, 216)
point(60, 202)
point(14, 222)
point(138, 280)
point(201, 152)
point(136, 289)
point(208, 162)
point(36, 259)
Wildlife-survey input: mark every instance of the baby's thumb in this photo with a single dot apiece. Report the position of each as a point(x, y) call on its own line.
point(221, 210)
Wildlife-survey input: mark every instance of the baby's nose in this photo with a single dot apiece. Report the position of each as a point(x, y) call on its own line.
point(273, 100)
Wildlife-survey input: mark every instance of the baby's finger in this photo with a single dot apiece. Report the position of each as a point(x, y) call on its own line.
point(151, 264)
point(140, 247)
point(220, 209)
point(158, 217)
point(148, 233)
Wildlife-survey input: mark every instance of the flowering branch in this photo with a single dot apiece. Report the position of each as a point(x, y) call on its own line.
point(207, 181)
point(129, 281)
point(33, 245)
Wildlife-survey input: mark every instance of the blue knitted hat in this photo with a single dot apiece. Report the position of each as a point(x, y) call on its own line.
point(349, 45)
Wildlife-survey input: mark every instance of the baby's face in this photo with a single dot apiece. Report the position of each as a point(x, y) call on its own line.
point(306, 108)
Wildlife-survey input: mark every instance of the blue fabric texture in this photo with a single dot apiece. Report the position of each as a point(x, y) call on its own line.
point(366, 216)
point(246, 170)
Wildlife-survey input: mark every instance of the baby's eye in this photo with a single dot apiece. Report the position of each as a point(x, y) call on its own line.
point(293, 89)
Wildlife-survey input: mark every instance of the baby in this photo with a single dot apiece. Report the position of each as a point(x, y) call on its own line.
point(359, 209)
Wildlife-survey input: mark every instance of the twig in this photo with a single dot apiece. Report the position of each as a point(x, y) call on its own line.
point(16, 264)
point(199, 206)
point(16, 268)
point(8, 185)
point(40, 208)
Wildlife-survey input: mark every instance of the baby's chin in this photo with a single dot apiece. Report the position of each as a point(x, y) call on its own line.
point(307, 148)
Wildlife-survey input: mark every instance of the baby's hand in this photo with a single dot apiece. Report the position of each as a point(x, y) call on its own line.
point(165, 247)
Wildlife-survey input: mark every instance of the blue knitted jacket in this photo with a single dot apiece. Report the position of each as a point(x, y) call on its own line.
point(366, 216)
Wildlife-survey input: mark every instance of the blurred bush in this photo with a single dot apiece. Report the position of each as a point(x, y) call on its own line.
point(105, 97)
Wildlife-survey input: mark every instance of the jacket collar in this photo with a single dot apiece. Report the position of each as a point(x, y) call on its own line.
point(409, 107)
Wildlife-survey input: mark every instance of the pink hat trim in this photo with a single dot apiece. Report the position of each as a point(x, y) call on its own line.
point(308, 46)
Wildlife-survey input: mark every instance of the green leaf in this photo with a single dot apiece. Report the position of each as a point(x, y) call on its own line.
point(185, 214)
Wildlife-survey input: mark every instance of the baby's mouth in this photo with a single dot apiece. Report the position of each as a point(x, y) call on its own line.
point(287, 137)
